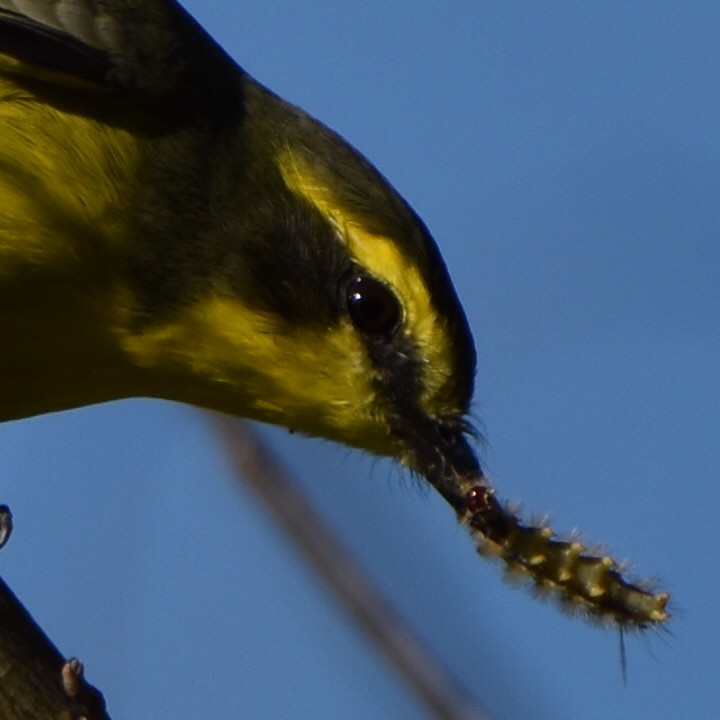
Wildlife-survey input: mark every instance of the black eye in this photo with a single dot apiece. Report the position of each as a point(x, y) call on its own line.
point(373, 308)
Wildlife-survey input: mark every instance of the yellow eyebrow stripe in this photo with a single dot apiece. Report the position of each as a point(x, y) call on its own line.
point(384, 259)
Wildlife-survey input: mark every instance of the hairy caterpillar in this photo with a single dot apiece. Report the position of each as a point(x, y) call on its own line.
point(565, 569)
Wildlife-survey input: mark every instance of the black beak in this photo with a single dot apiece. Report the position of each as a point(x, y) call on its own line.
point(440, 452)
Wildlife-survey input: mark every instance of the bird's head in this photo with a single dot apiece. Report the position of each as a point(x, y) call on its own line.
point(328, 309)
point(235, 253)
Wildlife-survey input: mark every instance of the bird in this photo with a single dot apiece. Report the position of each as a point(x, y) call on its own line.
point(171, 228)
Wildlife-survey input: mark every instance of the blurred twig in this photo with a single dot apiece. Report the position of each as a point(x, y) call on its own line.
point(259, 469)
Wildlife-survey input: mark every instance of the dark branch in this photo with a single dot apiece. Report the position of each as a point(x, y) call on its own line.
point(36, 681)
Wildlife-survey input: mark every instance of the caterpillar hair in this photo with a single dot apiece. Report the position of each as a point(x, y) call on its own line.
point(567, 570)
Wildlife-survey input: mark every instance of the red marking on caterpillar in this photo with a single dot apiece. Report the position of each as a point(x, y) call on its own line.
point(565, 569)
point(478, 499)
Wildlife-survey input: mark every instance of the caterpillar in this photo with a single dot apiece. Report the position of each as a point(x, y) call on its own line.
point(583, 581)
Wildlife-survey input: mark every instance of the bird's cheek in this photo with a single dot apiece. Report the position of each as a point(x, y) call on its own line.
point(224, 356)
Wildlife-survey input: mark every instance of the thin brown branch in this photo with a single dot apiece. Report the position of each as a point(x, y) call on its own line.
point(424, 673)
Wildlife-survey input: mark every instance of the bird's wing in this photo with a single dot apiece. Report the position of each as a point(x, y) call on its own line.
point(149, 48)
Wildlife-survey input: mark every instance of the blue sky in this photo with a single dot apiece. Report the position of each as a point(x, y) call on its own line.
point(566, 156)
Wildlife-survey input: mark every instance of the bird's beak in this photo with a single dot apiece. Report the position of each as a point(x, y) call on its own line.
point(441, 453)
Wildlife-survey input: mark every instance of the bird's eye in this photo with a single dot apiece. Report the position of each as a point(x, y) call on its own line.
point(372, 306)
